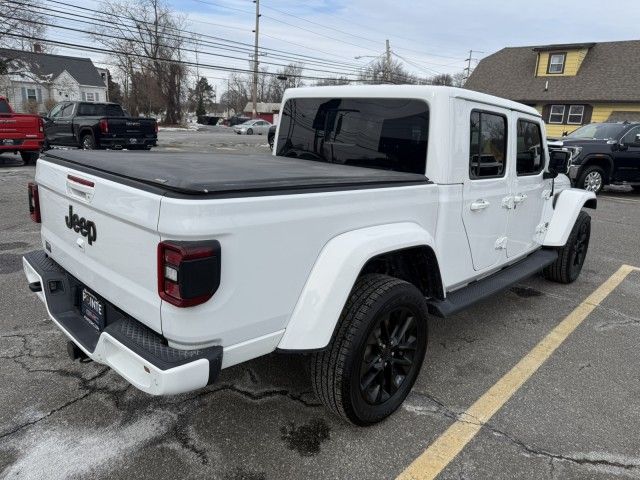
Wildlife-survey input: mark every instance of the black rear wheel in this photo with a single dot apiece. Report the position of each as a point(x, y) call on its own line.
point(29, 158)
point(88, 142)
point(376, 353)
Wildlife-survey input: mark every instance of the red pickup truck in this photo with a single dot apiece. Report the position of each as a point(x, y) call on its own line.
point(20, 132)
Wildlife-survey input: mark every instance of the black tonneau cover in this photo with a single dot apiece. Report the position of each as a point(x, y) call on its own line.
point(207, 174)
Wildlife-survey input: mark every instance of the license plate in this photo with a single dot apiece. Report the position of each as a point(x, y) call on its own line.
point(92, 309)
point(7, 141)
point(133, 140)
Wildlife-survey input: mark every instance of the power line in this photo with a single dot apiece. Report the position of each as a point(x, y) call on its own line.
point(158, 59)
point(247, 46)
point(136, 40)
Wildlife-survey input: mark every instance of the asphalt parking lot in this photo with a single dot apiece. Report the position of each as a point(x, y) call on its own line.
point(576, 417)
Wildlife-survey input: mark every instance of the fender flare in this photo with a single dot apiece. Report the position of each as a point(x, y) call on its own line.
point(567, 207)
point(333, 275)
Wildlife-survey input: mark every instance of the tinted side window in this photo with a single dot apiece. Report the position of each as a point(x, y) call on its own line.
point(67, 110)
point(381, 133)
point(488, 148)
point(630, 136)
point(530, 156)
point(55, 112)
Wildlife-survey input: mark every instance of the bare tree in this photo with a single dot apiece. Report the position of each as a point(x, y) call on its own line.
point(331, 81)
point(18, 23)
point(147, 48)
point(382, 71)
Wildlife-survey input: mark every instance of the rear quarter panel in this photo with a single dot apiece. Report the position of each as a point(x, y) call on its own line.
point(269, 246)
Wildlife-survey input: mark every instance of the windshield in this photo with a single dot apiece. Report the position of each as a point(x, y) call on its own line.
point(4, 107)
point(597, 131)
point(382, 133)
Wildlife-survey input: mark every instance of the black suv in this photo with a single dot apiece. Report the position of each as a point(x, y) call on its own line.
point(603, 154)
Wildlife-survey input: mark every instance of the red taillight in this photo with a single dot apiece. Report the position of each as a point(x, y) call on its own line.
point(188, 272)
point(156, 127)
point(104, 125)
point(34, 202)
point(41, 124)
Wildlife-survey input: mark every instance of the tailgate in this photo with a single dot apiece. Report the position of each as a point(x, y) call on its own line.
point(19, 127)
point(117, 256)
point(131, 127)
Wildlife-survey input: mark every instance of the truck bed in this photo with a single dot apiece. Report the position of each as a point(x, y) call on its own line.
point(209, 175)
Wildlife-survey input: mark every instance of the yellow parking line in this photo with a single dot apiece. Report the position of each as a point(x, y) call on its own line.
point(448, 445)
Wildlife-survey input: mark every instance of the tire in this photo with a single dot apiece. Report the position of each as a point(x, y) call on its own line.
point(364, 350)
point(249, 131)
point(87, 142)
point(271, 142)
point(29, 158)
point(592, 179)
point(636, 188)
point(568, 265)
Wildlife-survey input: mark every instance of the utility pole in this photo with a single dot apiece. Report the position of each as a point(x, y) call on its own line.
point(387, 65)
point(467, 70)
point(255, 62)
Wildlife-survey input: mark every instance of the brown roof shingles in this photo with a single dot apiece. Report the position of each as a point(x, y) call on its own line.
point(609, 73)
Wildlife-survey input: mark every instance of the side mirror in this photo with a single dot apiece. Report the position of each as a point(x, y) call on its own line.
point(558, 163)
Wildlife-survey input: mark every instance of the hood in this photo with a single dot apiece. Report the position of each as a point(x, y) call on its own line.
point(568, 142)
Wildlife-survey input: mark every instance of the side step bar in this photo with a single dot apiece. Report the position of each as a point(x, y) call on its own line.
point(474, 292)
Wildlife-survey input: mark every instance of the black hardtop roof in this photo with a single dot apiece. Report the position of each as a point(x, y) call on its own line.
point(221, 173)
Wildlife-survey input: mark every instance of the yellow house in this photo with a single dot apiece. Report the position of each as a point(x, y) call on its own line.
point(570, 84)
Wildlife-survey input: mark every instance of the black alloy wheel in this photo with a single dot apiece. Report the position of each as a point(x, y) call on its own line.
point(389, 355)
point(579, 248)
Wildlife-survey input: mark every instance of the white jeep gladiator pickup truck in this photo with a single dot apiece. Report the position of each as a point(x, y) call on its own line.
point(381, 206)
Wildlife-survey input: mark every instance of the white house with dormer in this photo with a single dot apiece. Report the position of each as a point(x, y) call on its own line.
point(34, 81)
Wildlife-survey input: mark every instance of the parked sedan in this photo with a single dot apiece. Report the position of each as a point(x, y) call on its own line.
point(257, 127)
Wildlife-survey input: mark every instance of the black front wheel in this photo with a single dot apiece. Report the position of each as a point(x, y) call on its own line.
point(571, 257)
point(250, 131)
point(592, 179)
point(375, 356)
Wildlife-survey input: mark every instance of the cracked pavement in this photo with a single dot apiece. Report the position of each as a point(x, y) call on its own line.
point(577, 417)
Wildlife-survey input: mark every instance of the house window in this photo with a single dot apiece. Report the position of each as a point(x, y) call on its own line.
point(556, 62)
point(89, 96)
point(557, 114)
point(576, 114)
point(31, 95)
point(488, 148)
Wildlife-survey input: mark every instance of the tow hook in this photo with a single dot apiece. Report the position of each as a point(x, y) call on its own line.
point(75, 352)
point(35, 287)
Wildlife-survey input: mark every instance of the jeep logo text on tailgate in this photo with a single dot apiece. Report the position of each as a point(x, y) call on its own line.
point(81, 225)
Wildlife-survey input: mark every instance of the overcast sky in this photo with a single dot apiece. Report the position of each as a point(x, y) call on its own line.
point(432, 36)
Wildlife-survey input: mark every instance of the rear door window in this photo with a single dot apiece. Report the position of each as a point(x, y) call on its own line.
point(381, 133)
point(488, 145)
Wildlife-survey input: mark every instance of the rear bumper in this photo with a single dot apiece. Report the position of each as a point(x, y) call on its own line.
point(133, 350)
point(126, 142)
point(23, 145)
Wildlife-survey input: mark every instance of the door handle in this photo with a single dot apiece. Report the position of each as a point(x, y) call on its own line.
point(521, 197)
point(479, 205)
